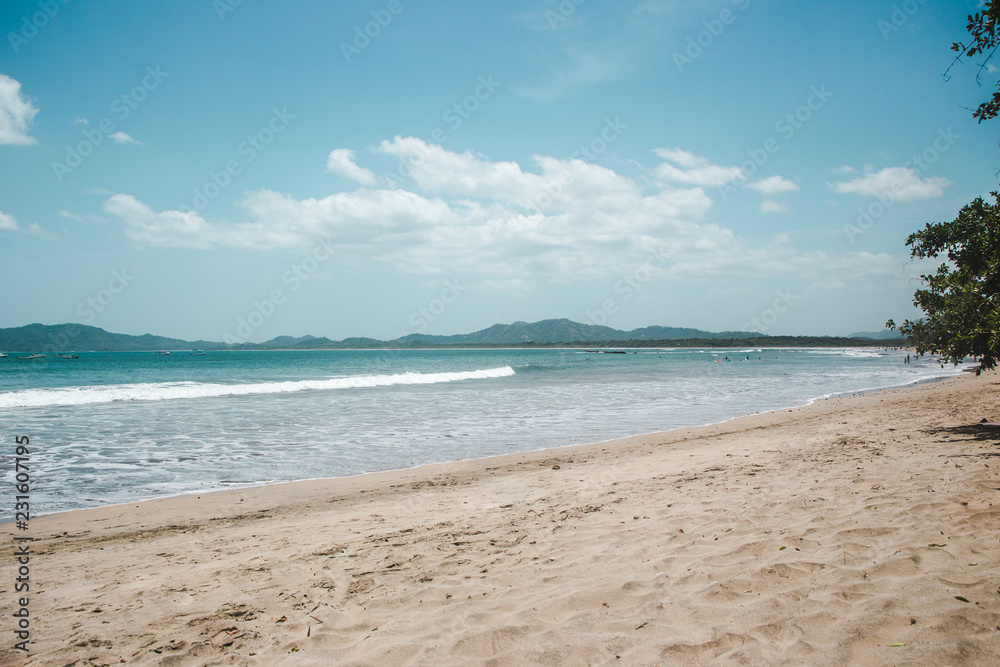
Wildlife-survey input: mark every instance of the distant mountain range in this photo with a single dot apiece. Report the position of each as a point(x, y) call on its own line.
point(566, 331)
point(80, 337)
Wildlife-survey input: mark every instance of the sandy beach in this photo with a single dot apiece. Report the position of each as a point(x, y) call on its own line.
point(858, 530)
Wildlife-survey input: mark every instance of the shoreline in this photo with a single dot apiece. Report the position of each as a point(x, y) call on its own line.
point(855, 530)
point(499, 347)
point(445, 467)
point(255, 485)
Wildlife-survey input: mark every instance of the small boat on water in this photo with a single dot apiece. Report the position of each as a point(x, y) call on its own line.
point(164, 352)
point(3, 355)
point(33, 356)
point(69, 356)
point(197, 353)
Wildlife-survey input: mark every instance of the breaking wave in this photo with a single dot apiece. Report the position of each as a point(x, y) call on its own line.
point(160, 391)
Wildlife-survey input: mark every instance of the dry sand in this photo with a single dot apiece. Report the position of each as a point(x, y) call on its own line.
point(854, 531)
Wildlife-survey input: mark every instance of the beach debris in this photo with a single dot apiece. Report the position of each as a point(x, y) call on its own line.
point(643, 625)
point(555, 467)
point(782, 548)
point(897, 644)
point(937, 545)
point(961, 599)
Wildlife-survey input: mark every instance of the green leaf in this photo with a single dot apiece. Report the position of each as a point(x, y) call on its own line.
point(961, 301)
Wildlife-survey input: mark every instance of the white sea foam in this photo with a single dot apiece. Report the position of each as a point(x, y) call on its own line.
point(849, 352)
point(159, 391)
point(130, 444)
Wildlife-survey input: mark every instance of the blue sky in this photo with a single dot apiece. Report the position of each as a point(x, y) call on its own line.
point(242, 170)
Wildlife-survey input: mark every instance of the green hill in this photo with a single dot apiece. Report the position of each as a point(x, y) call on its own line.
point(302, 342)
point(80, 337)
point(546, 333)
point(566, 331)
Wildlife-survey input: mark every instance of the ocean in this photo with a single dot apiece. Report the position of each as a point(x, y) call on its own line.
point(115, 427)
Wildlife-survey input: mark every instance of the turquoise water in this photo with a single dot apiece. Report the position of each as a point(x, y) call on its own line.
point(115, 427)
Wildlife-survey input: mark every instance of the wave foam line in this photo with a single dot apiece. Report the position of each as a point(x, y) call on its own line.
point(31, 398)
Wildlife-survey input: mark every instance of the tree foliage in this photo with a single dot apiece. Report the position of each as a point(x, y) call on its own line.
point(982, 27)
point(962, 299)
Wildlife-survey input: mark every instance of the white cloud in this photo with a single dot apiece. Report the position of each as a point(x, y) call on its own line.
point(436, 169)
point(86, 218)
point(844, 169)
point(693, 169)
point(582, 50)
point(559, 183)
point(515, 285)
point(499, 224)
point(682, 158)
point(35, 229)
point(580, 67)
point(898, 183)
point(80, 120)
point(771, 206)
point(826, 285)
point(170, 228)
point(122, 138)
point(8, 223)
point(773, 185)
point(341, 162)
point(16, 114)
